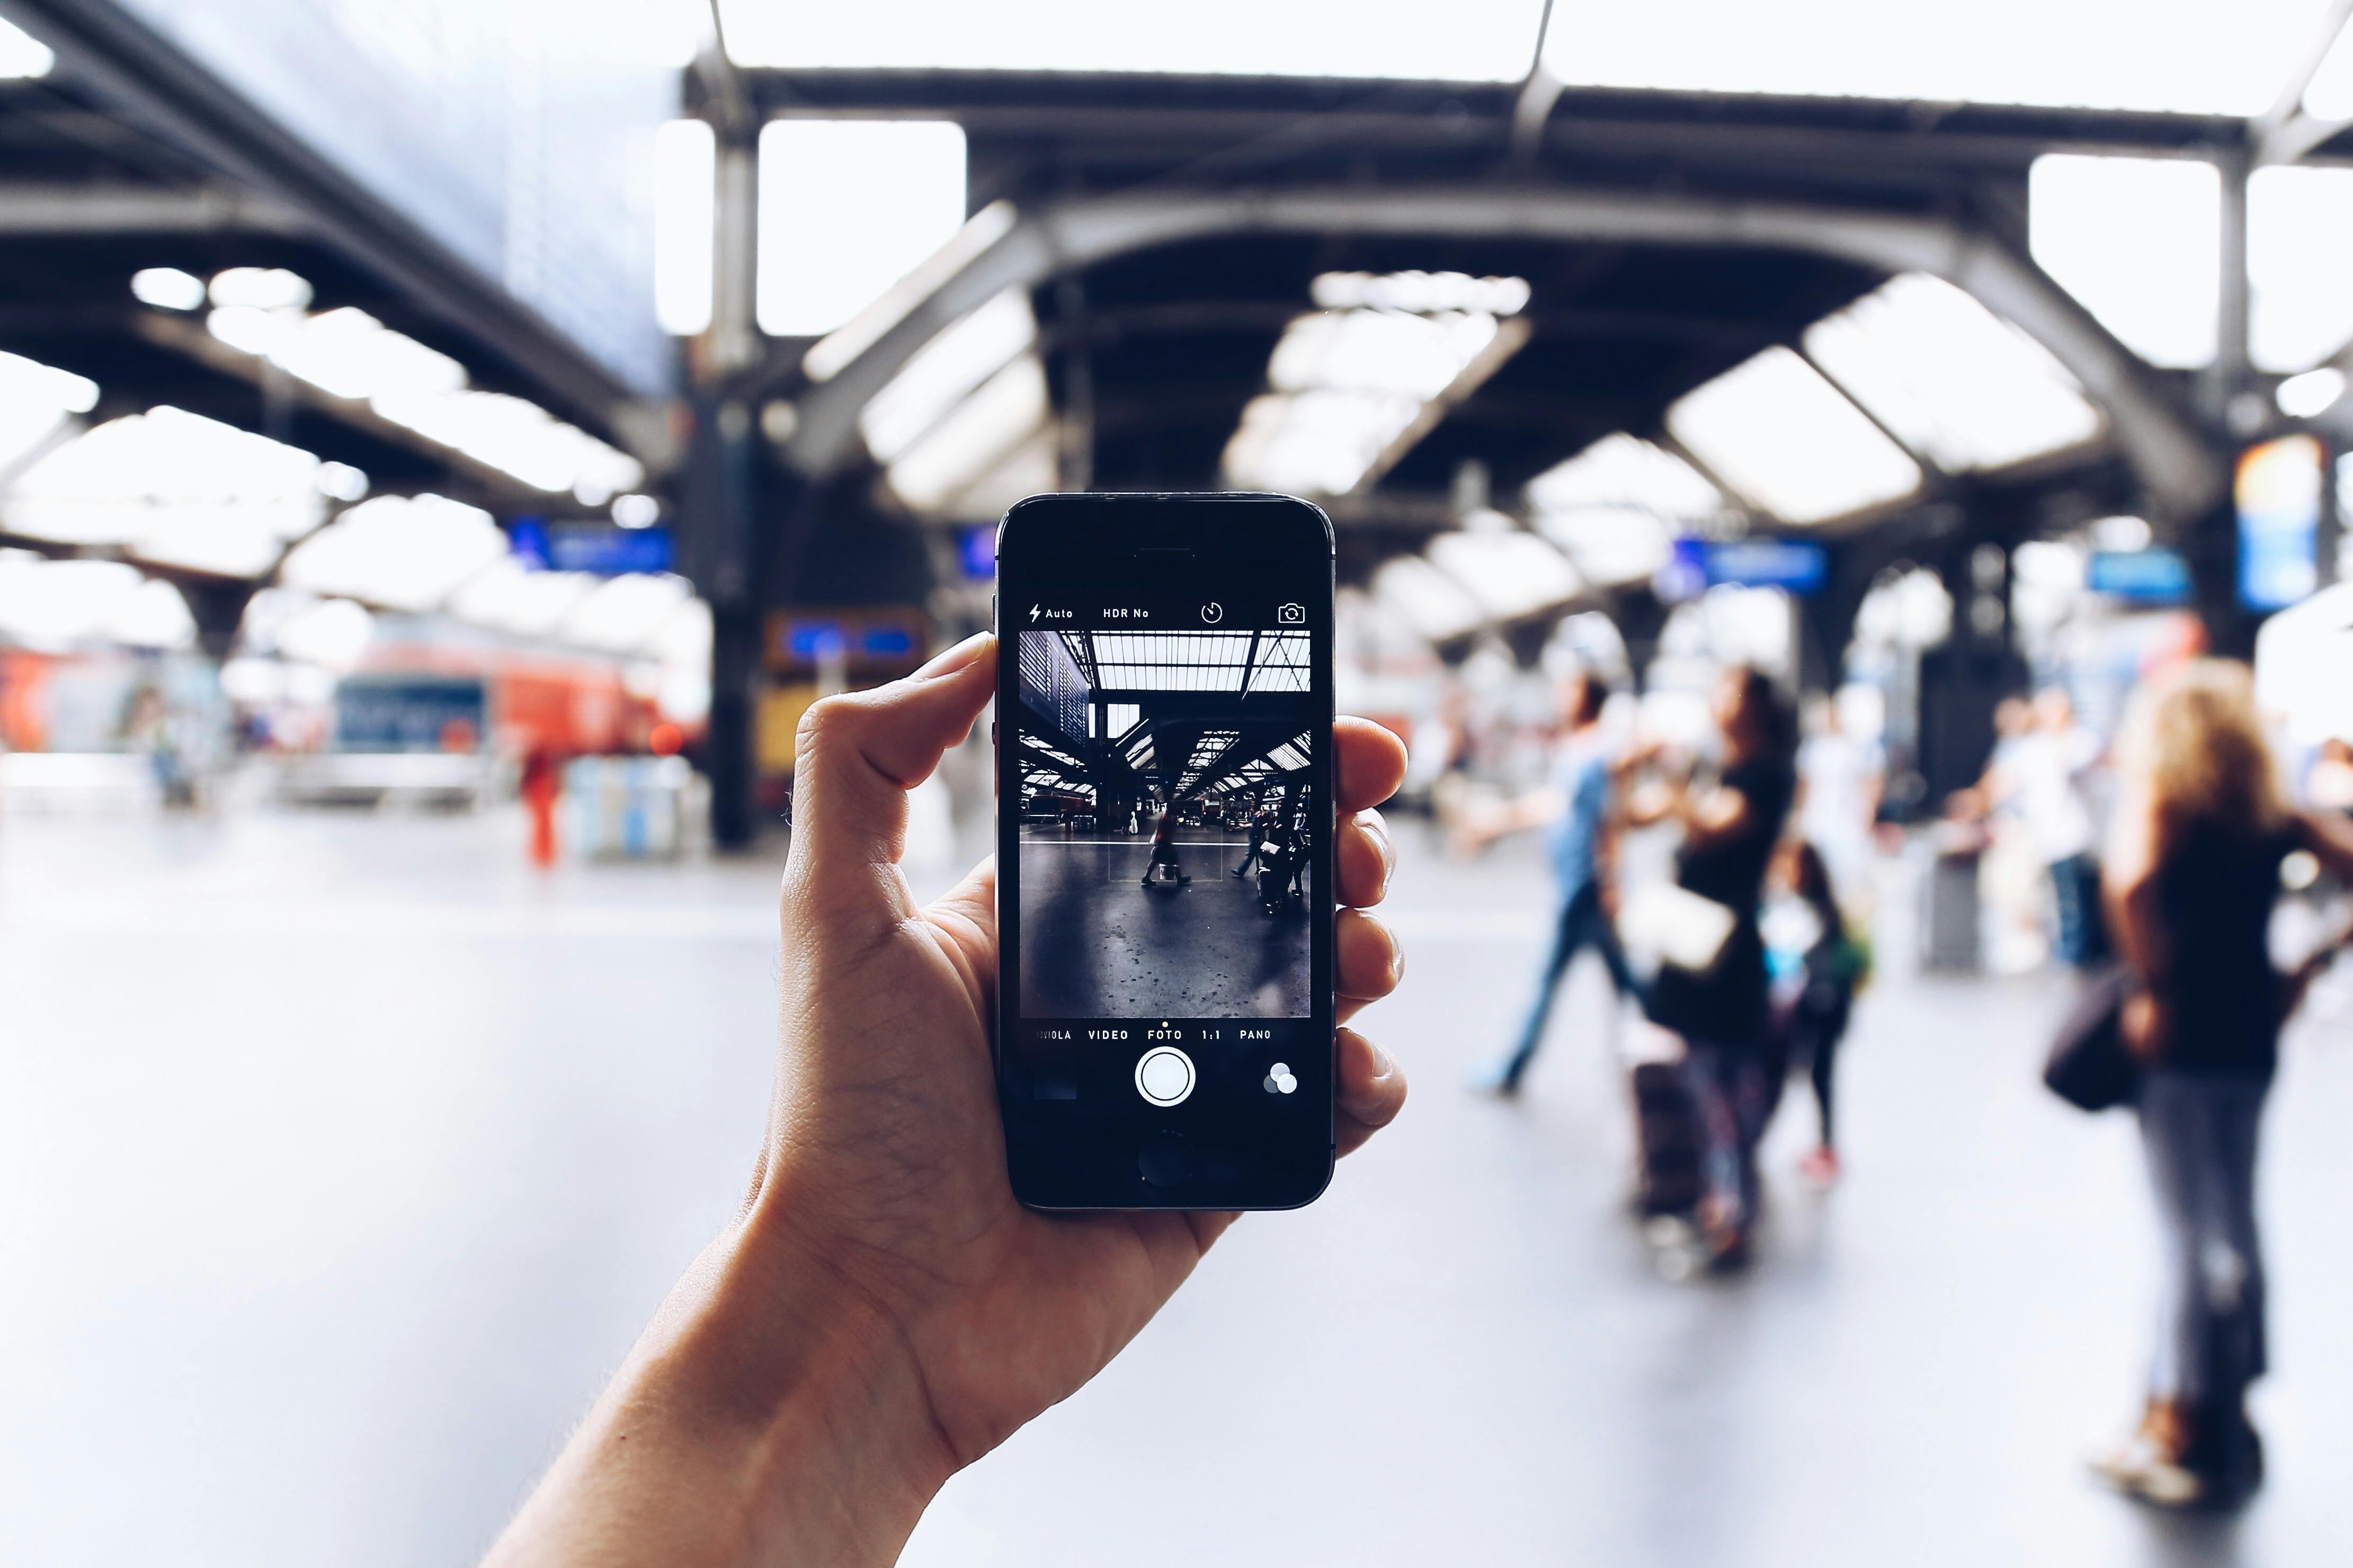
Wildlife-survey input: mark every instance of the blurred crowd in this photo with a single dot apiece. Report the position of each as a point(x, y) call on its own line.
point(2150, 859)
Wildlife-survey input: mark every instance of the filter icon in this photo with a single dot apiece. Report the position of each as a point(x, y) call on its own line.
point(1280, 1079)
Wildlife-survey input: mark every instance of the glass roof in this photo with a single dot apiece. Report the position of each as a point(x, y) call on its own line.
point(1790, 442)
point(1193, 661)
point(2186, 56)
point(1956, 383)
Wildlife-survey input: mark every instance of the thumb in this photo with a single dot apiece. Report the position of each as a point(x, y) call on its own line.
point(858, 754)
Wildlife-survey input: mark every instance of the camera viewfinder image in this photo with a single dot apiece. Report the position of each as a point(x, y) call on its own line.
point(1167, 824)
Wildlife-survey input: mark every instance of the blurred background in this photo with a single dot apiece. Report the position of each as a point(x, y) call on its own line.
point(444, 447)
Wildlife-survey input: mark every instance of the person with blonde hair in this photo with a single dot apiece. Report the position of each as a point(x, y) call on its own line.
point(2202, 826)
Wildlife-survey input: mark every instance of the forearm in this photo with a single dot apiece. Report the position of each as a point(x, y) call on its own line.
point(757, 1421)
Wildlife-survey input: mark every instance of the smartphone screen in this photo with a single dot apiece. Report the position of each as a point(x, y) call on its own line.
point(1165, 819)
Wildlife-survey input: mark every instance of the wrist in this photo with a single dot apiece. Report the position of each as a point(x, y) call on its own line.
point(768, 1414)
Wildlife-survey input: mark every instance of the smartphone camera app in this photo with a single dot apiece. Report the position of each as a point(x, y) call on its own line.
point(1163, 721)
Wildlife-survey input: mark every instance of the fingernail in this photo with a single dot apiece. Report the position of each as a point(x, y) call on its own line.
point(1378, 831)
point(1383, 1063)
point(956, 658)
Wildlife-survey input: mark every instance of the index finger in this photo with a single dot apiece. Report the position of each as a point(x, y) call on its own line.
point(1369, 764)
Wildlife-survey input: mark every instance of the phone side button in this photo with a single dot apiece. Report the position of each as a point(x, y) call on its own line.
point(1166, 1162)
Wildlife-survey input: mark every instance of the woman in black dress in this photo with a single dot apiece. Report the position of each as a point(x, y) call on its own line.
point(2193, 869)
point(1731, 823)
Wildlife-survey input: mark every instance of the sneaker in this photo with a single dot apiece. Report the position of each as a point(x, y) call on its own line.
point(1820, 1167)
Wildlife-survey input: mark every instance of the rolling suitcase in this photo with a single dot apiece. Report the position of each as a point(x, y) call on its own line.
point(1666, 1140)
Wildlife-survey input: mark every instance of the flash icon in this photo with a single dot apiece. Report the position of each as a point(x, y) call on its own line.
point(1033, 614)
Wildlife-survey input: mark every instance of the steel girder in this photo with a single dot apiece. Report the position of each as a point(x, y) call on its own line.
point(2167, 451)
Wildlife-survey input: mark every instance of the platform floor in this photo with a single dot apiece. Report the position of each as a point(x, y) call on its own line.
point(1097, 943)
point(341, 1158)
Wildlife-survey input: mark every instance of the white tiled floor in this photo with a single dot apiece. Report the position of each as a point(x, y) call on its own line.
point(341, 1157)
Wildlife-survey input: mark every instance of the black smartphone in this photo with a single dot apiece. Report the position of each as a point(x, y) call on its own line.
point(1164, 835)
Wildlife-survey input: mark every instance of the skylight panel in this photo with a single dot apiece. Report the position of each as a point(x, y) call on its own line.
point(1426, 598)
point(2174, 55)
point(1791, 443)
point(624, 614)
point(508, 597)
point(34, 399)
point(1510, 573)
point(850, 206)
point(1624, 471)
point(1122, 717)
point(401, 552)
point(1473, 40)
point(1960, 385)
point(1353, 389)
point(2299, 232)
point(2138, 241)
point(1171, 661)
point(1381, 352)
point(1611, 544)
point(173, 486)
point(1291, 755)
point(946, 371)
point(1282, 663)
point(981, 433)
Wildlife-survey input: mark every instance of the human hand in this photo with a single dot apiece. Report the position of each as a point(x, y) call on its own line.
point(883, 1312)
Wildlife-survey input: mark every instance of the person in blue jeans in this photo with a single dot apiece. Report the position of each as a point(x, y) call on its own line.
point(1579, 805)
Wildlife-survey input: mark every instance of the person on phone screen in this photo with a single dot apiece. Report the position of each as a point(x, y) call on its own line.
point(1580, 806)
point(2202, 824)
point(1731, 820)
point(881, 1312)
point(1164, 848)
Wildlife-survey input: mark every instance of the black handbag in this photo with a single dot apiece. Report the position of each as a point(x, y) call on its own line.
point(2089, 1067)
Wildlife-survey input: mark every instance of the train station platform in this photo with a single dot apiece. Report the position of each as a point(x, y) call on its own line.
point(343, 1157)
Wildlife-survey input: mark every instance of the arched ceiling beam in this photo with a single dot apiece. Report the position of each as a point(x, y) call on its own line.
point(2169, 453)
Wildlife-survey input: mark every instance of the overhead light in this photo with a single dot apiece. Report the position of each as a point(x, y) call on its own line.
point(22, 56)
point(1353, 388)
point(340, 481)
point(686, 173)
point(403, 553)
point(821, 178)
point(1958, 384)
point(35, 400)
point(1420, 291)
point(332, 632)
point(261, 289)
point(1790, 442)
point(56, 605)
point(1480, 40)
point(167, 289)
point(2195, 60)
point(635, 510)
point(2312, 394)
point(1625, 471)
point(623, 614)
point(2299, 227)
point(1426, 599)
point(983, 430)
point(348, 354)
point(172, 486)
point(506, 595)
point(828, 357)
point(946, 371)
point(1611, 544)
point(1509, 572)
point(2139, 242)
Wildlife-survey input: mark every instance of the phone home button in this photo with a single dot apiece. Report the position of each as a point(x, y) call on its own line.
point(1164, 1161)
point(1164, 1075)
